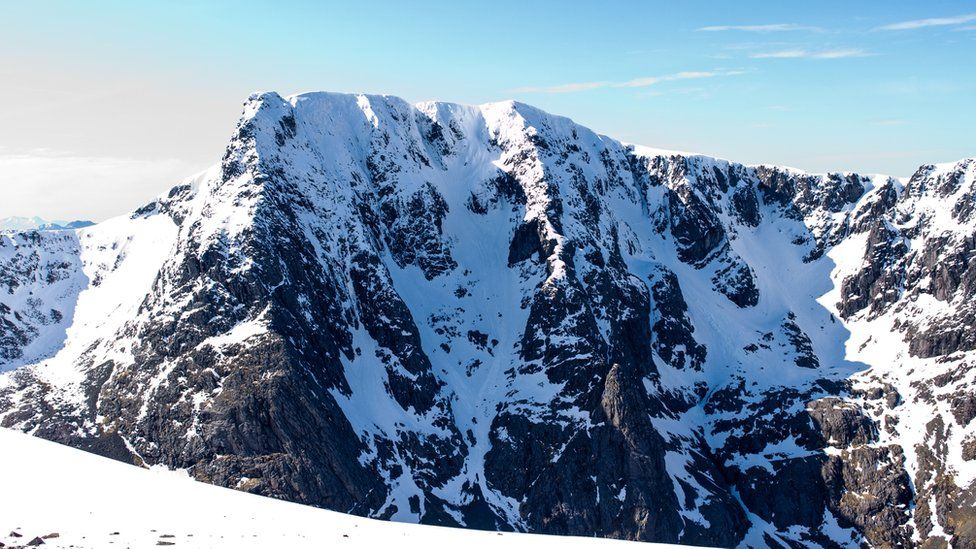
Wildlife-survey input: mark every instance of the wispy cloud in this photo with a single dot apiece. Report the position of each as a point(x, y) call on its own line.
point(774, 27)
point(642, 82)
point(931, 22)
point(808, 54)
point(686, 75)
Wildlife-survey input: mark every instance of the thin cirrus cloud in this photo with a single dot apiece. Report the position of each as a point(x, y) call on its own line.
point(774, 27)
point(930, 22)
point(642, 82)
point(807, 54)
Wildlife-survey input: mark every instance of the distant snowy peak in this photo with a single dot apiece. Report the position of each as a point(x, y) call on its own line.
point(39, 224)
point(492, 317)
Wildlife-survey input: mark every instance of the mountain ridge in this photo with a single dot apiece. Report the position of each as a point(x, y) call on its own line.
point(16, 223)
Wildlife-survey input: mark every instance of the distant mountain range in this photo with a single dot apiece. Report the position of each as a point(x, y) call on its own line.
point(35, 223)
point(493, 317)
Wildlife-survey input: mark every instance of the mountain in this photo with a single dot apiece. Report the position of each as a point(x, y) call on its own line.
point(492, 317)
point(133, 507)
point(37, 223)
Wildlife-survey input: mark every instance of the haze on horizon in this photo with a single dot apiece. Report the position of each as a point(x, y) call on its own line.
point(104, 106)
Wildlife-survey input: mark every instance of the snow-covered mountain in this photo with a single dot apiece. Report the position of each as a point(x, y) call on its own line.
point(37, 223)
point(495, 318)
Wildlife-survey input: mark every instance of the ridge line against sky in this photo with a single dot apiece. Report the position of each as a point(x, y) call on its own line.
point(104, 106)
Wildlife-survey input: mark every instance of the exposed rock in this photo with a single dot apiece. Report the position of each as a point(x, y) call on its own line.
point(877, 284)
point(964, 408)
point(842, 424)
point(870, 489)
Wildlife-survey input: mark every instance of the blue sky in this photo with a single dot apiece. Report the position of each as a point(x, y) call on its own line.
point(156, 88)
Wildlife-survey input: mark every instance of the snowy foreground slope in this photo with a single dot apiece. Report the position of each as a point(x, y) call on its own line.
point(492, 317)
point(94, 502)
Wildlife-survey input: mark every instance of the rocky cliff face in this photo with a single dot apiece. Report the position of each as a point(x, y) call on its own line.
point(492, 317)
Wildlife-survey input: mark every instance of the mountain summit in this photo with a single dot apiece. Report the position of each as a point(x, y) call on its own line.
point(492, 317)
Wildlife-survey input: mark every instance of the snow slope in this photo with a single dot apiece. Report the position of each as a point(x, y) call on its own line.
point(91, 501)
